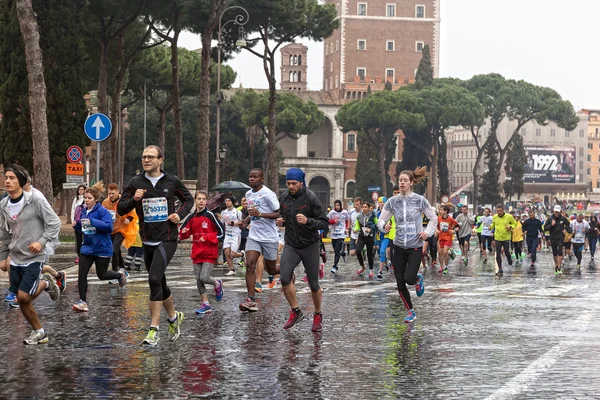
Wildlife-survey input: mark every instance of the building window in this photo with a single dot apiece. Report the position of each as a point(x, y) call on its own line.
point(538, 132)
point(362, 72)
point(567, 134)
point(330, 67)
point(330, 83)
point(337, 45)
point(390, 45)
point(361, 44)
point(389, 74)
point(598, 146)
point(337, 80)
point(523, 132)
point(581, 152)
point(581, 133)
point(351, 143)
point(552, 132)
point(419, 46)
point(350, 190)
point(362, 9)
point(420, 11)
point(331, 47)
point(326, 52)
point(391, 10)
point(589, 171)
point(589, 158)
point(326, 83)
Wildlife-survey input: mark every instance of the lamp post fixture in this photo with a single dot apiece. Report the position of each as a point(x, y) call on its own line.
point(240, 20)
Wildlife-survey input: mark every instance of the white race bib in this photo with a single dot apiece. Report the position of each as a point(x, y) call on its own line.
point(155, 209)
point(113, 214)
point(444, 226)
point(407, 228)
point(86, 227)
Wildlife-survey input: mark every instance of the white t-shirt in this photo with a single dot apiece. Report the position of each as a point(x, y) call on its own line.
point(486, 222)
point(154, 179)
point(15, 208)
point(234, 215)
point(579, 230)
point(338, 230)
point(263, 229)
point(353, 216)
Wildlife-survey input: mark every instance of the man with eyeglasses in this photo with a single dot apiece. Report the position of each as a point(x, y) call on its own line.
point(153, 195)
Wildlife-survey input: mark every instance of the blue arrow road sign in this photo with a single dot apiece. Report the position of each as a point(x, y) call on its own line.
point(374, 188)
point(98, 127)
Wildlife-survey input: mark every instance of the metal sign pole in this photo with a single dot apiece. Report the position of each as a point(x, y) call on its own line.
point(98, 162)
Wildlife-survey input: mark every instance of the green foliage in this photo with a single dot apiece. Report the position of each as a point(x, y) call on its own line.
point(367, 166)
point(515, 168)
point(490, 185)
point(424, 76)
point(60, 23)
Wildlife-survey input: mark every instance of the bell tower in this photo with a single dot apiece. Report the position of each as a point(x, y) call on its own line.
point(293, 67)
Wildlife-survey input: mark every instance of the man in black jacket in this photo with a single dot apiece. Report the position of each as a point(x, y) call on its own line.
point(303, 217)
point(153, 195)
point(532, 227)
point(557, 225)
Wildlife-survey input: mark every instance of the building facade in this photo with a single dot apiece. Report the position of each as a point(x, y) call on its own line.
point(379, 41)
point(293, 66)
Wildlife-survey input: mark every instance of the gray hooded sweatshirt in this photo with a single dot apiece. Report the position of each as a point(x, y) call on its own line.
point(36, 222)
point(408, 213)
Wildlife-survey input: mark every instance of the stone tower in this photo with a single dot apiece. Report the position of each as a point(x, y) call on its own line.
point(293, 67)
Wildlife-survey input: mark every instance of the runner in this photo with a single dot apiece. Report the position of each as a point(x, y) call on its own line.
point(478, 228)
point(388, 238)
point(96, 224)
point(465, 222)
point(446, 227)
point(263, 210)
point(135, 254)
point(76, 207)
point(580, 228)
point(353, 235)
point(303, 216)
point(124, 227)
point(517, 240)
point(206, 231)
point(366, 228)
point(487, 236)
point(29, 221)
point(430, 248)
point(557, 225)
point(407, 209)
point(338, 219)
point(592, 235)
point(532, 228)
point(153, 195)
point(232, 219)
point(502, 225)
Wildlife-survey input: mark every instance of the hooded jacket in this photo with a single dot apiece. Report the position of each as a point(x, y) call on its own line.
point(96, 238)
point(307, 203)
point(128, 230)
point(556, 231)
point(203, 224)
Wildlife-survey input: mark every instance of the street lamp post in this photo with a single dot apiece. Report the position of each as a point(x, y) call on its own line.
point(240, 20)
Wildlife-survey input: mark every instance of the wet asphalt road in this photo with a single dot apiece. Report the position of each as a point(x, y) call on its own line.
point(526, 335)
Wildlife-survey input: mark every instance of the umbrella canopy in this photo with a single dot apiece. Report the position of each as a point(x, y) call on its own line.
point(230, 185)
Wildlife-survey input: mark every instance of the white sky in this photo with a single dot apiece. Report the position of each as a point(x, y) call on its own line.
point(546, 42)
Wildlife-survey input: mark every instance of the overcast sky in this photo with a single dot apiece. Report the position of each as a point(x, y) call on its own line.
point(546, 42)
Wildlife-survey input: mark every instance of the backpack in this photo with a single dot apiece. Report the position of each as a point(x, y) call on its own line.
point(77, 215)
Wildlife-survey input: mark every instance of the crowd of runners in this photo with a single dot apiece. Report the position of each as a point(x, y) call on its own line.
point(155, 211)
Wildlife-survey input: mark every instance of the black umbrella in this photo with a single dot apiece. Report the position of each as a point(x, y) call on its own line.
point(230, 185)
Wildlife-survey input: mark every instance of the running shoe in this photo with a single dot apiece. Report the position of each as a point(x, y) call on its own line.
point(317, 325)
point(334, 270)
point(37, 338)
point(345, 257)
point(410, 317)
point(52, 288)
point(14, 304)
point(219, 290)
point(360, 272)
point(61, 281)
point(295, 316)
point(532, 265)
point(113, 282)
point(138, 268)
point(452, 254)
point(485, 260)
point(321, 271)
point(441, 268)
point(324, 256)
point(379, 277)
point(570, 257)
point(205, 308)
point(77, 260)
point(304, 279)
point(500, 271)
point(434, 264)
point(388, 266)
point(80, 306)
point(230, 273)
point(174, 327)
point(271, 284)
point(123, 279)
point(445, 270)
point(371, 274)
point(420, 285)
point(10, 296)
point(578, 266)
point(592, 259)
point(258, 287)
point(248, 305)
point(152, 338)
point(241, 263)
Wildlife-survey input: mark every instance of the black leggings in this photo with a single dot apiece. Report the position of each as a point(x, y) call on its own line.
point(117, 258)
point(432, 247)
point(85, 264)
point(406, 267)
point(338, 248)
point(156, 259)
point(360, 244)
point(291, 257)
point(518, 248)
point(578, 250)
point(78, 241)
point(503, 244)
point(557, 246)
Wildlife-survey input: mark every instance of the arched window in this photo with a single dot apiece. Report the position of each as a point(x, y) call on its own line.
point(295, 60)
point(291, 59)
point(291, 76)
point(350, 190)
point(300, 60)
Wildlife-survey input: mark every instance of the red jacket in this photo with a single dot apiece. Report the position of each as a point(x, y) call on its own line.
point(205, 225)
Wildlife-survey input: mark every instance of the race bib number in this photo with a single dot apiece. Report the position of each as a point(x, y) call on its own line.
point(407, 228)
point(86, 227)
point(113, 214)
point(155, 209)
point(444, 226)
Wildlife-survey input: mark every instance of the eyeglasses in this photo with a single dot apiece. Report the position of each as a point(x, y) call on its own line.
point(150, 158)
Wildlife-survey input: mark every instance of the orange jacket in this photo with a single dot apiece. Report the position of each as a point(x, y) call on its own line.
point(128, 230)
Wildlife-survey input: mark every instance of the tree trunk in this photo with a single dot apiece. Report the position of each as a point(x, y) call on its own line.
point(161, 127)
point(382, 152)
point(204, 113)
point(176, 97)
point(122, 180)
point(37, 97)
point(272, 173)
point(433, 173)
point(103, 79)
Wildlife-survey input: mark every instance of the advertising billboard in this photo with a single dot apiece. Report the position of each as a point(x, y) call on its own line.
point(550, 164)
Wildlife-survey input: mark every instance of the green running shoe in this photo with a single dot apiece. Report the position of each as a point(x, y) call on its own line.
point(152, 338)
point(174, 330)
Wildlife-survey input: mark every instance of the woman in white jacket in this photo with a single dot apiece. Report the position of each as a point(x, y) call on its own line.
point(77, 201)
